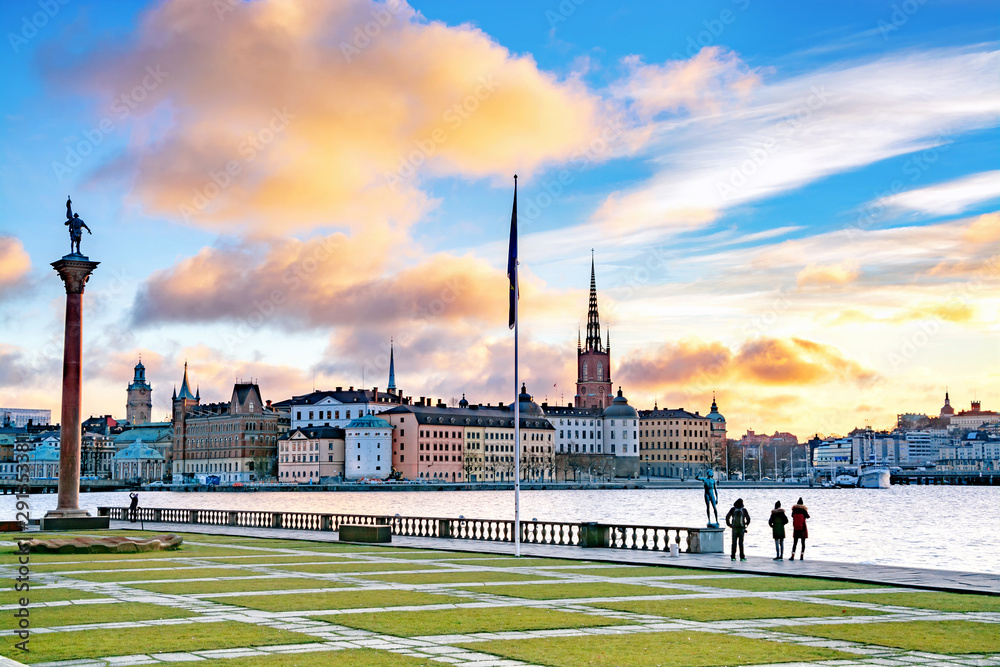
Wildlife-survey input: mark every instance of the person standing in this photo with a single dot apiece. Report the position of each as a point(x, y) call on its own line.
point(777, 523)
point(800, 531)
point(738, 519)
point(133, 508)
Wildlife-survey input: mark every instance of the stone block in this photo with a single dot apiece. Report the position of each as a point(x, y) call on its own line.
point(75, 523)
point(357, 533)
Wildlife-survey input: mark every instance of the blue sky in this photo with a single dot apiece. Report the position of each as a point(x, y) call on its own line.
point(793, 206)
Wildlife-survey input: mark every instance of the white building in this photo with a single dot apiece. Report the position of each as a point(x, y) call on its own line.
point(621, 430)
point(21, 416)
point(832, 454)
point(139, 461)
point(311, 455)
point(367, 448)
point(336, 408)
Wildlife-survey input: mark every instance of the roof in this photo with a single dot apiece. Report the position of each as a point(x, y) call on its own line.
point(482, 417)
point(715, 415)
point(45, 452)
point(369, 421)
point(669, 414)
point(572, 411)
point(138, 450)
point(315, 433)
point(345, 396)
point(620, 408)
point(146, 433)
point(243, 389)
point(185, 387)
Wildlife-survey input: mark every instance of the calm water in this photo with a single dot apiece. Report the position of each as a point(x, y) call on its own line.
point(945, 527)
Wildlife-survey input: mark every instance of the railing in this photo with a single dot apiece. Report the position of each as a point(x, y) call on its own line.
point(616, 536)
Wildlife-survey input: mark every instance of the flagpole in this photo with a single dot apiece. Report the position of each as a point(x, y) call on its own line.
point(517, 408)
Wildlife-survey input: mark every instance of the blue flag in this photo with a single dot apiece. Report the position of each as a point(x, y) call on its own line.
point(512, 260)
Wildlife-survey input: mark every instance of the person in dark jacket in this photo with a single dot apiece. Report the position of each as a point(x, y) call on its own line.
point(799, 529)
point(133, 508)
point(738, 519)
point(777, 523)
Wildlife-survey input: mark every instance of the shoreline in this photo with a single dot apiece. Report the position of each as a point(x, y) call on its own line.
point(491, 486)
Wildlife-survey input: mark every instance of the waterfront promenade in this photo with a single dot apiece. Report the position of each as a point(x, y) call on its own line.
point(275, 598)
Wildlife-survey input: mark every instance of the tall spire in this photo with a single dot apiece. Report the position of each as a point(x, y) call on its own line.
point(185, 387)
point(579, 340)
point(593, 319)
point(392, 368)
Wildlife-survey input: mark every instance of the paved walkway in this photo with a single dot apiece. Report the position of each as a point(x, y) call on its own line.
point(942, 580)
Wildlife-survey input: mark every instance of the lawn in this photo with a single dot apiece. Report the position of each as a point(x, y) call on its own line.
point(278, 559)
point(729, 609)
point(412, 554)
point(358, 566)
point(344, 658)
point(600, 589)
point(927, 600)
point(660, 649)
point(36, 594)
point(764, 584)
point(468, 621)
point(337, 600)
point(453, 577)
point(238, 585)
point(172, 573)
point(951, 637)
point(103, 565)
point(161, 639)
point(641, 571)
point(510, 561)
point(9, 556)
point(118, 612)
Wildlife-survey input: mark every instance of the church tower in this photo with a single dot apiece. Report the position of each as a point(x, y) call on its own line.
point(593, 378)
point(139, 405)
point(181, 402)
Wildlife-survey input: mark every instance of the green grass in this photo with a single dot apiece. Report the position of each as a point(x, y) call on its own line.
point(278, 559)
point(103, 565)
point(338, 600)
point(452, 577)
point(510, 561)
point(771, 584)
point(599, 589)
point(173, 573)
point(9, 557)
point(467, 621)
point(161, 639)
point(328, 568)
point(641, 571)
point(238, 585)
point(345, 658)
point(37, 594)
point(432, 555)
point(927, 600)
point(119, 612)
point(730, 609)
point(660, 649)
point(956, 637)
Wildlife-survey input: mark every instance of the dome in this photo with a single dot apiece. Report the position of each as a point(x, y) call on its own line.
point(620, 408)
point(138, 450)
point(463, 403)
point(715, 415)
point(527, 407)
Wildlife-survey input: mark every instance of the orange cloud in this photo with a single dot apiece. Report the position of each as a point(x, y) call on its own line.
point(285, 115)
point(14, 263)
point(826, 275)
point(983, 230)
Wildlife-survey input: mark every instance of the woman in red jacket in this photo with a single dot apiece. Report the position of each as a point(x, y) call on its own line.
point(799, 529)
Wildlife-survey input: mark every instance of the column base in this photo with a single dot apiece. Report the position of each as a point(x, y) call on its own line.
point(73, 520)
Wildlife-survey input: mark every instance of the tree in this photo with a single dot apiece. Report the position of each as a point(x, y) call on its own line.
point(264, 467)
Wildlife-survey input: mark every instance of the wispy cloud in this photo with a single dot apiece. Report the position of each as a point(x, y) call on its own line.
point(951, 198)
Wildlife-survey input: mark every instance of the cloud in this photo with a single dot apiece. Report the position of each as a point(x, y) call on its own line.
point(951, 198)
point(983, 230)
point(14, 264)
point(325, 125)
point(820, 275)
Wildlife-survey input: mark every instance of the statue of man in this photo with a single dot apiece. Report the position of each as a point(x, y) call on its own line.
point(711, 496)
point(76, 226)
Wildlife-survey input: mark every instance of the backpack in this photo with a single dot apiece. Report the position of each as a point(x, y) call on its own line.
point(798, 521)
point(739, 521)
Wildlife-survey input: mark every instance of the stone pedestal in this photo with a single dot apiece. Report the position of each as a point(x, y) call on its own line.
point(705, 541)
point(75, 271)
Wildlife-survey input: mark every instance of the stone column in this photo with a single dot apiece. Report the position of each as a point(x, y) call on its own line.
point(75, 271)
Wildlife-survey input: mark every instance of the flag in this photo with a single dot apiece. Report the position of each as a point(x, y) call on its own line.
point(512, 260)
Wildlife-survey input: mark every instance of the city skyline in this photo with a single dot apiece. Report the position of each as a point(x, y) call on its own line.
point(795, 209)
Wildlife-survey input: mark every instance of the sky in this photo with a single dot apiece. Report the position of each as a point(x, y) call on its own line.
point(793, 207)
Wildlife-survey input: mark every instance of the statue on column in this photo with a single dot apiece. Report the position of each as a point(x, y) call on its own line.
point(711, 497)
point(76, 226)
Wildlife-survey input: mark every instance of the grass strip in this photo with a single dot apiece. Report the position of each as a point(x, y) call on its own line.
point(277, 559)
point(927, 600)
point(338, 600)
point(659, 649)
point(119, 612)
point(156, 575)
point(731, 609)
point(358, 566)
point(949, 637)
point(238, 585)
point(600, 589)
point(452, 577)
point(639, 571)
point(773, 584)
point(94, 565)
point(434, 555)
point(37, 594)
point(344, 658)
point(467, 621)
point(509, 561)
point(153, 639)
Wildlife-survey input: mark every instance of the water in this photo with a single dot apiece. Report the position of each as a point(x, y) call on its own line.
point(945, 527)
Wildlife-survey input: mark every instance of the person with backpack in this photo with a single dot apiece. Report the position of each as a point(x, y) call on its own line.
point(738, 519)
point(777, 523)
point(799, 529)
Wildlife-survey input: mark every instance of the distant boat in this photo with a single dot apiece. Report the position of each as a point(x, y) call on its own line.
point(845, 480)
point(874, 477)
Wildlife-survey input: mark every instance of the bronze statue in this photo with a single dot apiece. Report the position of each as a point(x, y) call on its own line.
point(76, 227)
point(711, 497)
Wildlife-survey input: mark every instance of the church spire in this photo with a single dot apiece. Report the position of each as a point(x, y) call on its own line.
point(392, 368)
point(185, 386)
point(593, 319)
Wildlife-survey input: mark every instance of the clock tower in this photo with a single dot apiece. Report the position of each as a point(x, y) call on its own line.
point(140, 398)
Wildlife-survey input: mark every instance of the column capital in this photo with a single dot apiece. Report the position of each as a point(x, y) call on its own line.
point(75, 271)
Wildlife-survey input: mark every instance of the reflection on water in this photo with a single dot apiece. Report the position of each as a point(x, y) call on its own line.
point(944, 527)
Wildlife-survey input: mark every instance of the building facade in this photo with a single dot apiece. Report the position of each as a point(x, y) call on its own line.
point(139, 405)
point(368, 448)
point(338, 407)
point(21, 416)
point(674, 443)
point(311, 455)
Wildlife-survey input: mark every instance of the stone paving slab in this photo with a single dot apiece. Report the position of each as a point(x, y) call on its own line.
point(941, 580)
